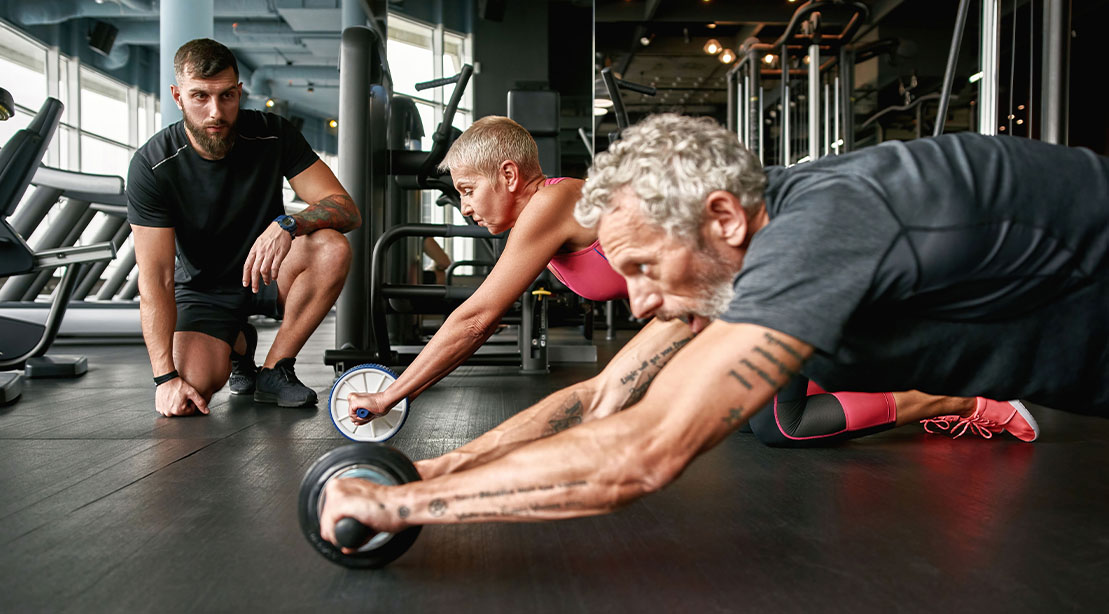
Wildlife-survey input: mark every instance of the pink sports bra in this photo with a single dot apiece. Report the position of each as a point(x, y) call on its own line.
point(587, 271)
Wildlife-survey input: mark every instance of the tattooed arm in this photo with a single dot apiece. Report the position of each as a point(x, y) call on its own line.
point(331, 208)
point(330, 205)
point(622, 382)
point(706, 392)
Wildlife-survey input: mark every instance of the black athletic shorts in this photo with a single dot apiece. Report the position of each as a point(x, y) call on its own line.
point(221, 312)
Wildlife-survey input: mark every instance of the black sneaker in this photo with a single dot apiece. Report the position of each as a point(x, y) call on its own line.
point(280, 385)
point(243, 369)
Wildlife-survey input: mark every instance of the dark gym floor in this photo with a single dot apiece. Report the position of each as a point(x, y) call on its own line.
point(106, 507)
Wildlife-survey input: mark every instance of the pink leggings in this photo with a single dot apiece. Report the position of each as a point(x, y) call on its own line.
point(804, 415)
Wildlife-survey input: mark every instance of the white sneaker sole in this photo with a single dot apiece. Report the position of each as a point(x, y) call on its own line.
point(1023, 411)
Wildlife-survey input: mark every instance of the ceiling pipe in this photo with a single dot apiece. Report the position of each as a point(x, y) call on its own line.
point(324, 75)
point(145, 6)
point(47, 12)
point(262, 35)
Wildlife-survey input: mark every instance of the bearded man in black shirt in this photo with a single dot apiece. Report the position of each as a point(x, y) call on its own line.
point(206, 192)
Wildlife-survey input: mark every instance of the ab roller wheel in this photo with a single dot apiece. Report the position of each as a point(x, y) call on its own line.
point(374, 462)
point(365, 378)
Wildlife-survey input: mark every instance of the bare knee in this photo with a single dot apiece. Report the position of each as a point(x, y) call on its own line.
point(330, 253)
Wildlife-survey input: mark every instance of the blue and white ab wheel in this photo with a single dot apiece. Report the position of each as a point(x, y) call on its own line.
point(365, 378)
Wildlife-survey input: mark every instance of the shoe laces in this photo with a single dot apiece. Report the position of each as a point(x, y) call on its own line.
point(285, 369)
point(957, 426)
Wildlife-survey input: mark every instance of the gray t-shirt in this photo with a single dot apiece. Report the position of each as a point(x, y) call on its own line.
point(960, 265)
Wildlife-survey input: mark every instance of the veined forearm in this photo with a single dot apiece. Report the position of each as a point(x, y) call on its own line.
point(554, 414)
point(456, 340)
point(599, 467)
point(158, 316)
point(337, 211)
point(623, 382)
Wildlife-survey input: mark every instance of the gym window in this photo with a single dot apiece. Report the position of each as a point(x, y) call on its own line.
point(418, 52)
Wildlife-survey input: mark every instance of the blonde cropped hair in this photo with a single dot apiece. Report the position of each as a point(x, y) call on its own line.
point(672, 163)
point(490, 141)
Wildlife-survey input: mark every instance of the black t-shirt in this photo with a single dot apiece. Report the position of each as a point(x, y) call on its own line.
point(961, 265)
point(217, 208)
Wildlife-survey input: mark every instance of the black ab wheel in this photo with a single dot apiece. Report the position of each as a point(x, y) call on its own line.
point(377, 463)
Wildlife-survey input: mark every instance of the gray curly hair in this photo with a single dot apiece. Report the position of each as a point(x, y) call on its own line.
point(672, 163)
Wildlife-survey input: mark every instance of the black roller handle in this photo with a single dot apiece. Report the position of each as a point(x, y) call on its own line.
point(440, 139)
point(349, 533)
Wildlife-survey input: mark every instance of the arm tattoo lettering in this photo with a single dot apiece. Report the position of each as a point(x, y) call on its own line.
point(637, 392)
point(760, 373)
point(505, 512)
point(740, 379)
point(658, 360)
point(784, 370)
point(772, 340)
point(505, 492)
point(570, 416)
point(337, 211)
point(734, 417)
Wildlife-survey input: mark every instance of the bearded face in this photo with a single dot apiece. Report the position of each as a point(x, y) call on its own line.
point(211, 108)
point(214, 137)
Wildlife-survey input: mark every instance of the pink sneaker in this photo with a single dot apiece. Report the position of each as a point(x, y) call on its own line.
point(989, 417)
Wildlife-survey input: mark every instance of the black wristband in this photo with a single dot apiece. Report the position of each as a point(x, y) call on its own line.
point(161, 379)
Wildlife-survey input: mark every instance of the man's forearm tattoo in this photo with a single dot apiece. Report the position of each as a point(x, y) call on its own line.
point(763, 374)
point(568, 417)
point(782, 368)
point(778, 365)
point(637, 392)
point(337, 211)
point(650, 367)
point(508, 512)
point(438, 507)
point(740, 379)
point(772, 340)
point(734, 417)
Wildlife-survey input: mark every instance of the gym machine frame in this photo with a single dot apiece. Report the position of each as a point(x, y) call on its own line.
point(804, 32)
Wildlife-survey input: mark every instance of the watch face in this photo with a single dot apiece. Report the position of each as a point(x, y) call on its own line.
point(288, 223)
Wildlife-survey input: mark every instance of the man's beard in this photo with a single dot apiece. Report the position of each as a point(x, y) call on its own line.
point(214, 145)
point(715, 296)
point(714, 290)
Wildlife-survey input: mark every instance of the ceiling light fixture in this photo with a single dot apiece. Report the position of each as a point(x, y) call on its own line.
point(712, 47)
point(603, 103)
point(768, 58)
point(333, 123)
point(598, 111)
point(727, 57)
point(270, 103)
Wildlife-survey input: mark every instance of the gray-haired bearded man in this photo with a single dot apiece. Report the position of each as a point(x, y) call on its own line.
point(962, 265)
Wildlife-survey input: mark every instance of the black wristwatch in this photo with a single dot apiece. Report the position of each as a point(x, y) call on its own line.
point(289, 223)
point(161, 379)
